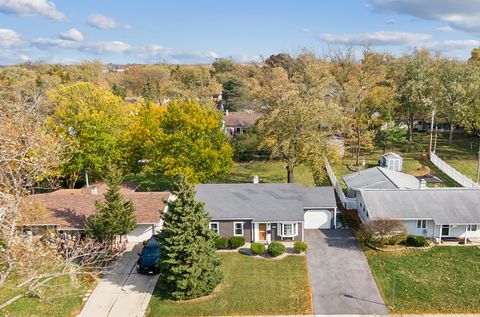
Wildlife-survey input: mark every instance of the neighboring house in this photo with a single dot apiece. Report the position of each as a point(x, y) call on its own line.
point(237, 122)
point(67, 209)
point(434, 212)
point(378, 178)
point(267, 212)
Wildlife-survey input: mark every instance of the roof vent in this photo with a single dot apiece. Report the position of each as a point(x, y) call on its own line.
point(255, 179)
point(93, 190)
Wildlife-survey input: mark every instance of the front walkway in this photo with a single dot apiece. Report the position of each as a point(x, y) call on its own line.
point(122, 292)
point(341, 280)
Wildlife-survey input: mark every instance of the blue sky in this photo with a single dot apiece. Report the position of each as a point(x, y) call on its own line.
point(189, 31)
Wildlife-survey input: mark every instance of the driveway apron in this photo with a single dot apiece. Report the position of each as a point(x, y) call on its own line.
point(341, 280)
point(122, 291)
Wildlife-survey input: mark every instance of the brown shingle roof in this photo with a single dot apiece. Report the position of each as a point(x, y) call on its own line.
point(241, 119)
point(68, 209)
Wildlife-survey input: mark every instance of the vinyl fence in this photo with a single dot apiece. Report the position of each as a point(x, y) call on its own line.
point(347, 202)
point(452, 172)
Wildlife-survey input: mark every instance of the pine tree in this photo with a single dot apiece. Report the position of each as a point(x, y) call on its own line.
point(189, 266)
point(115, 216)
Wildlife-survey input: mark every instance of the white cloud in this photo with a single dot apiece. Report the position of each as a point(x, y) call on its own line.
point(9, 38)
point(32, 7)
point(72, 35)
point(391, 21)
point(46, 43)
point(461, 15)
point(376, 38)
point(100, 21)
point(159, 53)
point(450, 45)
point(306, 30)
point(117, 47)
point(445, 29)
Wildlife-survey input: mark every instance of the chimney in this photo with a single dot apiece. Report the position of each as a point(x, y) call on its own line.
point(226, 112)
point(93, 190)
point(255, 179)
point(423, 184)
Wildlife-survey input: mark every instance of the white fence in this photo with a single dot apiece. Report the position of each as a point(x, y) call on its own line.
point(452, 172)
point(347, 202)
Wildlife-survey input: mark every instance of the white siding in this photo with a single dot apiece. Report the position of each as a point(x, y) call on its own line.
point(411, 226)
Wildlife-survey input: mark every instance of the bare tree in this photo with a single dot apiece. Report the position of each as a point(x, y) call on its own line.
point(28, 156)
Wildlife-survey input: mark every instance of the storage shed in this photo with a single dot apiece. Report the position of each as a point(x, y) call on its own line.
point(392, 161)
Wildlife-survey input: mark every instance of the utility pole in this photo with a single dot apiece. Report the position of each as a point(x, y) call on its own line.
point(478, 165)
point(431, 133)
point(435, 143)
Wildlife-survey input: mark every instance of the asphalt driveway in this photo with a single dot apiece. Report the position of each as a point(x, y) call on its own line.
point(341, 280)
point(122, 292)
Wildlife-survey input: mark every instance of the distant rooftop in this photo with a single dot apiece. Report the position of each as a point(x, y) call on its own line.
point(380, 178)
point(241, 119)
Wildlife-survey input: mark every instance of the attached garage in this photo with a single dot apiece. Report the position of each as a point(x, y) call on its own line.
point(141, 233)
point(318, 219)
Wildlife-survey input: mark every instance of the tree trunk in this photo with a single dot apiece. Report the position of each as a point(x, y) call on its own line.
point(357, 160)
point(289, 174)
point(450, 134)
point(410, 130)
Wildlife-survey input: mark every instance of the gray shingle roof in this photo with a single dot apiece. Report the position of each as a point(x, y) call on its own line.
point(262, 202)
point(380, 178)
point(443, 205)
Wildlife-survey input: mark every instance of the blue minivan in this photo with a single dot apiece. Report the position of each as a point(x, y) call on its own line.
point(149, 257)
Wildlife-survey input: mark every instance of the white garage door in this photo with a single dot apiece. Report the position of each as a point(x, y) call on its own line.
point(317, 219)
point(140, 233)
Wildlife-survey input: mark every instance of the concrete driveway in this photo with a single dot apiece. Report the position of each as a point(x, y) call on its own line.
point(122, 292)
point(340, 276)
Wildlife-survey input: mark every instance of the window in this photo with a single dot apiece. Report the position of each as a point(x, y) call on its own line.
point(214, 226)
point(472, 228)
point(421, 224)
point(289, 230)
point(238, 228)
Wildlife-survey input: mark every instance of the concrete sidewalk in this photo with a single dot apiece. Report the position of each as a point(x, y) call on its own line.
point(122, 292)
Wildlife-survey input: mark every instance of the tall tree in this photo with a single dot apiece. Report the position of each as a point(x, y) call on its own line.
point(413, 80)
point(299, 115)
point(185, 137)
point(362, 91)
point(452, 94)
point(93, 122)
point(115, 216)
point(189, 266)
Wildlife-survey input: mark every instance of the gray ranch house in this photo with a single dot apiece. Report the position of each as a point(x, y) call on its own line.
point(436, 213)
point(267, 212)
point(379, 178)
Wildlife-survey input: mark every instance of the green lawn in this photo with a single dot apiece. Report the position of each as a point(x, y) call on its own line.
point(252, 286)
point(440, 280)
point(63, 297)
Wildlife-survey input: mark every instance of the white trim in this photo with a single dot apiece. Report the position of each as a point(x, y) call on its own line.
point(422, 223)
point(218, 226)
point(282, 229)
point(235, 228)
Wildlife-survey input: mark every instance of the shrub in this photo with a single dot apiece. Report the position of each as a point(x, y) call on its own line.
point(276, 248)
point(221, 243)
point(416, 241)
point(236, 242)
point(258, 248)
point(384, 231)
point(300, 246)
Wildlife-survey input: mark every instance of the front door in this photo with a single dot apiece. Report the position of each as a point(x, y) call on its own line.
point(262, 231)
point(445, 230)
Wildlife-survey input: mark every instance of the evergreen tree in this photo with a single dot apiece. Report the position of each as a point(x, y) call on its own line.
point(189, 266)
point(115, 216)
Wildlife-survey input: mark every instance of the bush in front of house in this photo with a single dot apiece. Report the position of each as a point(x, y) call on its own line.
point(416, 241)
point(257, 248)
point(221, 243)
point(300, 246)
point(236, 242)
point(276, 249)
